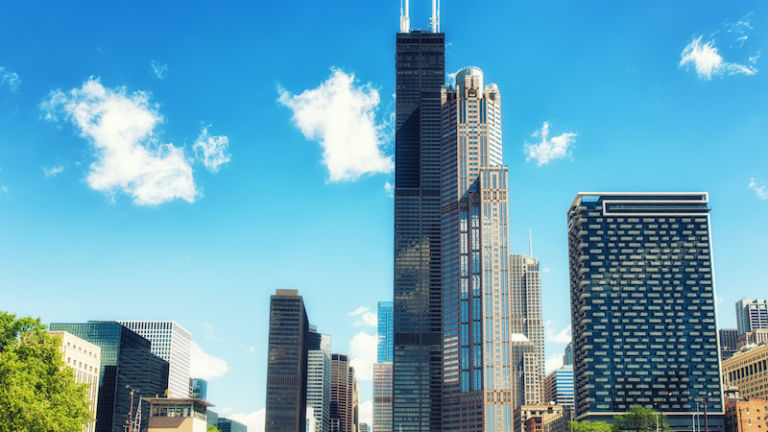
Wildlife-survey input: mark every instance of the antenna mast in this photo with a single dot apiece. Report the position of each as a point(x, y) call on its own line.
point(405, 21)
point(435, 20)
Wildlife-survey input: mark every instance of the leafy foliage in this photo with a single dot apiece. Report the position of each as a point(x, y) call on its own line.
point(639, 419)
point(212, 428)
point(589, 426)
point(37, 390)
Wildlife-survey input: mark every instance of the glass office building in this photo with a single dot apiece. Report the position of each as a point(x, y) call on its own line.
point(384, 335)
point(643, 306)
point(198, 388)
point(227, 425)
point(417, 350)
point(126, 360)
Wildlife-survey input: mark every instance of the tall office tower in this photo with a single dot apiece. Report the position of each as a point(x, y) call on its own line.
point(568, 354)
point(126, 360)
point(198, 388)
point(319, 381)
point(642, 306)
point(342, 394)
point(558, 386)
point(484, 349)
point(84, 358)
point(287, 363)
point(728, 343)
point(417, 350)
point(751, 315)
point(172, 343)
point(382, 397)
point(525, 319)
point(384, 345)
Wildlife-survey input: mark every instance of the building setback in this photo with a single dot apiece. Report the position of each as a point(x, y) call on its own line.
point(642, 306)
point(126, 360)
point(84, 358)
point(382, 397)
point(287, 363)
point(751, 315)
point(342, 409)
point(172, 343)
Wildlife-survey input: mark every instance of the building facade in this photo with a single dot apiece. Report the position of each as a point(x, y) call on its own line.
point(540, 417)
point(558, 386)
point(643, 305)
point(746, 416)
point(172, 343)
point(319, 381)
point(748, 370)
point(228, 425)
point(84, 358)
point(343, 383)
point(385, 337)
point(286, 409)
point(417, 349)
point(177, 414)
point(754, 337)
point(382, 397)
point(728, 343)
point(198, 388)
point(525, 286)
point(751, 315)
point(126, 360)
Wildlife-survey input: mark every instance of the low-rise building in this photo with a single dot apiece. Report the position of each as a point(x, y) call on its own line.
point(551, 418)
point(746, 416)
point(748, 370)
point(754, 337)
point(177, 415)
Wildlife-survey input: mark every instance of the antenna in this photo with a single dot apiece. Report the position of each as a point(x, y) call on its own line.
point(435, 20)
point(530, 243)
point(405, 21)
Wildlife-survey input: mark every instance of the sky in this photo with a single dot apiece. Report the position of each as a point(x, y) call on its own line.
point(182, 161)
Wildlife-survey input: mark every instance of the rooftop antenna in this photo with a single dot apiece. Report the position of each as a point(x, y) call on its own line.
point(405, 21)
point(530, 243)
point(435, 20)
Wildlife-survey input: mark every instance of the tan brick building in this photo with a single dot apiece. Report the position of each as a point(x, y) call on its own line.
point(746, 416)
point(748, 370)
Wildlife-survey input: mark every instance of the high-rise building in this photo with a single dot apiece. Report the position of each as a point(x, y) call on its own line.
point(228, 425)
point(558, 386)
point(318, 381)
point(643, 306)
point(385, 336)
point(84, 358)
point(286, 409)
point(417, 350)
point(751, 315)
point(525, 319)
point(568, 354)
point(126, 362)
point(172, 343)
point(748, 370)
point(343, 382)
point(382, 397)
point(198, 388)
point(728, 342)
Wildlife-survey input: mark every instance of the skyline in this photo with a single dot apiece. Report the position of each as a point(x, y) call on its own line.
point(234, 246)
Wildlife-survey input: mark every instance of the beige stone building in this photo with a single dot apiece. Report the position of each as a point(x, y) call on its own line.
point(84, 358)
point(748, 370)
point(177, 415)
point(541, 418)
point(754, 337)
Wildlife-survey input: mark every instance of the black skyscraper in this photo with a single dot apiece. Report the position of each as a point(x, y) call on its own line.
point(420, 67)
point(287, 363)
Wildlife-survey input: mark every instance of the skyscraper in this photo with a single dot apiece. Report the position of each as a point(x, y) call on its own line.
point(319, 381)
point(342, 409)
point(643, 306)
point(568, 354)
point(384, 345)
point(751, 315)
point(172, 343)
point(126, 360)
point(287, 363)
point(525, 319)
point(382, 397)
point(420, 74)
point(728, 343)
point(84, 358)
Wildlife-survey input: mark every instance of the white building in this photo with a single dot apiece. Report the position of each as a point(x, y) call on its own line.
point(319, 382)
point(85, 360)
point(172, 343)
point(751, 315)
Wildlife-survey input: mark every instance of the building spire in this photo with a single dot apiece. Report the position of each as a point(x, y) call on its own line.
point(405, 21)
point(435, 20)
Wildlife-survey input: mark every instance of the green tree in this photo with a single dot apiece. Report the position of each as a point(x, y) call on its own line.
point(639, 419)
point(212, 428)
point(37, 390)
point(589, 426)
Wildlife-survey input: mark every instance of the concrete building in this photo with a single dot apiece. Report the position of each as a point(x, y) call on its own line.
point(286, 409)
point(754, 337)
point(751, 315)
point(343, 383)
point(84, 358)
point(558, 386)
point(728, 341)
point(382, 397)
point(318, 381)
point(177, 415)
point(228, 425)
point(643, 306)
point(746, 416)
point(748, 370)
point(126, 362)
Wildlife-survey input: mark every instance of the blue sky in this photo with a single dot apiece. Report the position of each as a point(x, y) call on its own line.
point(180, 161)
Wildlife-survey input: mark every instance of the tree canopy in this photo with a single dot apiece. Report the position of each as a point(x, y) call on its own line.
point(589, 426)
point(639, 419)
point(38, 391)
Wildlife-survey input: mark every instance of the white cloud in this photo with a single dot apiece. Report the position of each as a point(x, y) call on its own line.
point(4, 189)
point(549, 149)
point(553, 335)
point(212, 150)
point(129, 156)
point(340, 115)
point(365, 413)
point(252, 349)
point(389, 189)
point(160, 70)
point(362, 351)
point(53, 171)
point(10, 79)
point(553, 363)
point(707, 60)
point(365, 317)
point(206, 366)
point(254, 420)
point(760, 189)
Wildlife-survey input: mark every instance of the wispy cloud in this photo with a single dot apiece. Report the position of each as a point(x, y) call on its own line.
point(53, 171)
point(364, 317)
point(10, 79)
point(553, 363)
point(552, 334)
point(389, 189)
point(254, 420)
point(707, 59)
point(340, 115)
point(159, 69)
point(760, 189)
point(549, 148)
point(362, 352)
point(365, 413)
point(206, 366)
point(212, 150)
